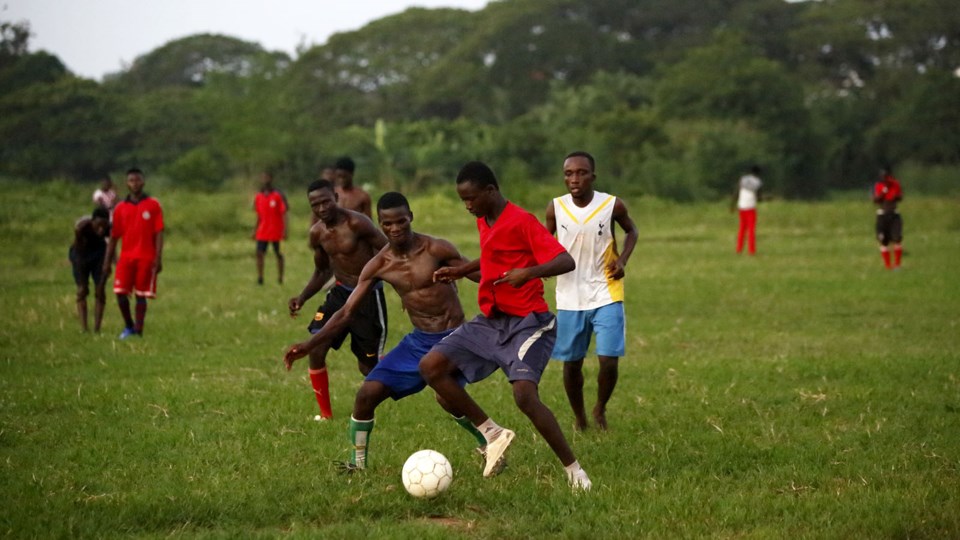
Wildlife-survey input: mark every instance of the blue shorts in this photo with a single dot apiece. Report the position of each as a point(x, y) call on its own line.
point(399, 370)
point(520, 346)
point(575, 327)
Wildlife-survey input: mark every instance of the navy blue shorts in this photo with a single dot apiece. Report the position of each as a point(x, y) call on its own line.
point(399, 370)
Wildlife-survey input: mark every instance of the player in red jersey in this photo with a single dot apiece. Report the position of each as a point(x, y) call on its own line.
point(889, 227)
point(138, 225)
point(515, 331)
point(271, 207)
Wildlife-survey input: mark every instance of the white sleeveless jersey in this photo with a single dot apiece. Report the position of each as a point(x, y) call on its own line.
point(587, 234)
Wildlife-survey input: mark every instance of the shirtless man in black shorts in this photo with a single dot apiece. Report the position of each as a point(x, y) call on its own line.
point(342, 241)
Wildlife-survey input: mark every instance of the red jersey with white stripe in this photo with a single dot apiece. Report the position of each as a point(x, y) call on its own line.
point(270, 207)
point(135, 224)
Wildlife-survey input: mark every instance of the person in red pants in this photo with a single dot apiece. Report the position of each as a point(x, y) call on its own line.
point(748, 195)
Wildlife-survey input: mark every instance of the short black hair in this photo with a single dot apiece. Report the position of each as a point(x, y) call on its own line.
point(755, 169)
point(581, 153)
point(317, 185)
point(392, 199)
point(134, 170)
point(479, 173)
point(346, 164)
point(99, 212)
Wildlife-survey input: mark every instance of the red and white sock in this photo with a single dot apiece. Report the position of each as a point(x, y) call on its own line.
point(321, 387)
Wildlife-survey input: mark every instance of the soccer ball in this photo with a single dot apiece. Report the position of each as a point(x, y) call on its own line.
point(426, 473)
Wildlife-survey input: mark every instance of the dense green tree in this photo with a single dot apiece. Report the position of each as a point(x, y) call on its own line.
point(188, 62)
point(729, 80)
point(162, 125)
point(19, 67)
point(58, 129)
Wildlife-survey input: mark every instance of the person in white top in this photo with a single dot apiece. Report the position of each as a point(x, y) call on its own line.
point(105, 196)
point(748, 195)
point(590, 298)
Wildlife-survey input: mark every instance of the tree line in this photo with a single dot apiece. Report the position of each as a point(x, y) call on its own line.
point(673, 97)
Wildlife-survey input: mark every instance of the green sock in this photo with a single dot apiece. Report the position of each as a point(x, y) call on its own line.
point(467, 425)
point(360, 437)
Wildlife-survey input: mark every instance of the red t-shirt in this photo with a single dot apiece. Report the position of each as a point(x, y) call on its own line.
point(887, 193)
point(270, 208)
point(136, 225)
point(516, 240)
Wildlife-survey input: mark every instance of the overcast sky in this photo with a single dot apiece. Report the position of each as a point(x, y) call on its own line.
point(96, 37)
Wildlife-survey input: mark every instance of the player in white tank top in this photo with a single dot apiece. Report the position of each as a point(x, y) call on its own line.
point(590, 298)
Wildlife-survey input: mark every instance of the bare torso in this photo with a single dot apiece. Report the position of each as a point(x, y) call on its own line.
point(346, 245)
point(354, 198)
point(431, 306)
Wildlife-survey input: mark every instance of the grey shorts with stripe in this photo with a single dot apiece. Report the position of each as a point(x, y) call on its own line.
point(520, 346)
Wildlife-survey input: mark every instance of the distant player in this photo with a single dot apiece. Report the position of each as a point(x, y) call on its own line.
point(408, 264)
point(590, 298)
point(889, 225)
point(748, 195)
point(515, 332)
point(342, 241)
point(138, 226)
point(271, 207)
point(105, 196)
point(86, 258)
point(350, 196)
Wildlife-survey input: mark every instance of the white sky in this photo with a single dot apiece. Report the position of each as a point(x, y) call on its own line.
point(96, 37)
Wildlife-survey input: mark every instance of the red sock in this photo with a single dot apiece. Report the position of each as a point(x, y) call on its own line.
point(886, 258)
point(321, 387)
point(897, 254)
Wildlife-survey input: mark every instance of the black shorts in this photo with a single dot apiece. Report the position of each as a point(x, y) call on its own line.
point(367, 330)
point(86, 266)
point(889, 228)
point(262, 246)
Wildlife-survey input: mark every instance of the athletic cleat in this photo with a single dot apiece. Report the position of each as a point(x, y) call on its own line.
point(496, 453)
point(481, 452)
point(128, 332)
point(579, 481)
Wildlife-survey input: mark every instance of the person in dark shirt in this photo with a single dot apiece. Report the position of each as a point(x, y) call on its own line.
point(86, 258)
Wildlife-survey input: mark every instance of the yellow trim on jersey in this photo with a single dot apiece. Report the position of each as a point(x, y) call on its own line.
point(567, 210)
point(614, 286)
point(599, 208)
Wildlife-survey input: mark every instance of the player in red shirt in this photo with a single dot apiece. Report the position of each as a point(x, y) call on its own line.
point(138, 225)
point(515, 332)
point(271, 207)
point(889, 227)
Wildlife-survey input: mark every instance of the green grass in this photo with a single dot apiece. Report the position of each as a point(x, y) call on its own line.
point(805, 392)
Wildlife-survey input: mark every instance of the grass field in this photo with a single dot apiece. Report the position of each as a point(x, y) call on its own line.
point(803, 393)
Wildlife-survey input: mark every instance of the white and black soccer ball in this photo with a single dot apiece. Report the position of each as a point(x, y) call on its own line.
point(426, 474)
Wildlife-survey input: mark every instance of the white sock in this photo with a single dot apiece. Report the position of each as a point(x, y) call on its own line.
point(573, 468)
point(490, 430)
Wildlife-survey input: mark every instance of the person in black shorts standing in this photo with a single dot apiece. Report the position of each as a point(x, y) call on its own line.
point(889, 228)
point(86, 258)
point(343, 241)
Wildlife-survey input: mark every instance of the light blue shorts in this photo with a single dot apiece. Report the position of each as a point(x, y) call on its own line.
point(575, 327)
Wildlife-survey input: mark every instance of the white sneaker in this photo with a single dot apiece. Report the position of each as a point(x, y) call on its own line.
point(496, 453)
point(579, 481)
